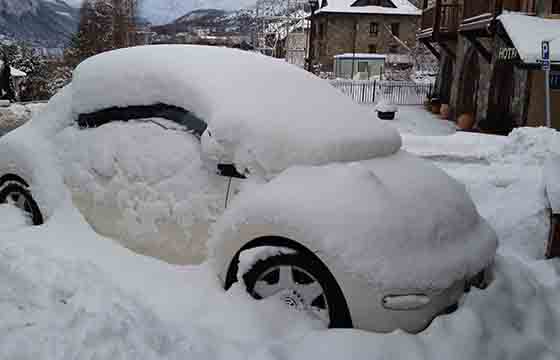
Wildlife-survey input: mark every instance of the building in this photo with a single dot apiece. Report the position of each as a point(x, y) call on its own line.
point(489, 52)
point(359, 66)
point(361, 26)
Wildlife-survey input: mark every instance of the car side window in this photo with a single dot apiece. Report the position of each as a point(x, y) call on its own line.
point(178, 115)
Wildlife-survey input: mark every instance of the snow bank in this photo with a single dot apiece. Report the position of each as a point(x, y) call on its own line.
point(516, 318)
point(504, 176)
point(12, 218)
point(248, 100)
point(552, 183)
point(409, 225)
point(17, 115)
point(28, 153)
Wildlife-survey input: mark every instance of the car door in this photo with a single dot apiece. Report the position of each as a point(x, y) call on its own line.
point(137, 176)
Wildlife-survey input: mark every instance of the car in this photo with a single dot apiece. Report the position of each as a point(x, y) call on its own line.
point(288, 188)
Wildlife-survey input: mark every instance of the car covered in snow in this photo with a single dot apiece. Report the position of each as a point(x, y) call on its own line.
point(286, 186)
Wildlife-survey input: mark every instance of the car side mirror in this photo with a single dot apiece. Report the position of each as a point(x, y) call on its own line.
point(229, 170)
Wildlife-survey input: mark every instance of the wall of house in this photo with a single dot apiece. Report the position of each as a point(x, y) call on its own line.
point(488, 74)
point(536, 115)
point(339, 36)
point(463, 51)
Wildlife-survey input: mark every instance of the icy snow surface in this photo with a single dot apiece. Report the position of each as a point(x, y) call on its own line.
point(252, 103)
point(68, 293)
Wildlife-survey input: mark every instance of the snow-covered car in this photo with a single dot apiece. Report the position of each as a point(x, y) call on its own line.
point(324, 210)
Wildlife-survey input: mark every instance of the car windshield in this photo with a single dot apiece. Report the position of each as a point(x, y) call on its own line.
point(178, 115)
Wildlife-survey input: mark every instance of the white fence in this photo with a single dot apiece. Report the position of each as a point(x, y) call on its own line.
point(396, 92)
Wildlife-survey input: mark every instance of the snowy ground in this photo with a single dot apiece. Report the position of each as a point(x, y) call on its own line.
point(66, 293)
point(16, 115)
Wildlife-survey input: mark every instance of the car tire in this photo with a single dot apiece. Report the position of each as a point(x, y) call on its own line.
point(303, 278)
point(15, 190)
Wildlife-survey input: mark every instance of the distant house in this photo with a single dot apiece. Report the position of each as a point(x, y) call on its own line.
point(16, 78)
point(361, 26)
point(359, 66)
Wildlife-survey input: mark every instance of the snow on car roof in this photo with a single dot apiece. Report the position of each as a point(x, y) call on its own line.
point(268, 114)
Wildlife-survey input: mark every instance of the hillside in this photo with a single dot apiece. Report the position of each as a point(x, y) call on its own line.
point(43, 23)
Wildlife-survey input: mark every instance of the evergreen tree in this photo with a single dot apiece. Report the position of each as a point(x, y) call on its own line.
point(6, 86)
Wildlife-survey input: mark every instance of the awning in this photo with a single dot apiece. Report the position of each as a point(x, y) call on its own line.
point(527, 34)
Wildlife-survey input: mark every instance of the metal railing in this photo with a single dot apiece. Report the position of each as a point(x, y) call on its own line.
point(395, 92)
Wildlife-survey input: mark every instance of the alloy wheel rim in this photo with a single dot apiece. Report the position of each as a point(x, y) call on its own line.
point(20, 201)
point(296, 287)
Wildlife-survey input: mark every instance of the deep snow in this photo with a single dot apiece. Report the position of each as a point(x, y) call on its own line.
point(68, 293)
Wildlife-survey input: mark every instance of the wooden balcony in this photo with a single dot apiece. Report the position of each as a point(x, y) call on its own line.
point(479, 15)
point(440, 20)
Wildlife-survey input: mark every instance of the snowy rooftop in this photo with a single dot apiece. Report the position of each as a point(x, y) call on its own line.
point(402, 7)
point(13, 71)
point(360, 56)
point(528, 43)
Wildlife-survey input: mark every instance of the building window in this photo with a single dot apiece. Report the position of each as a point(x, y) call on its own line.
point(396, 29)
point(373, 28)
point(372, 48)
point(556, 6)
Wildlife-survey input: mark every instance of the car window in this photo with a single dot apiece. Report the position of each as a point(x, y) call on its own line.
point(178, 115)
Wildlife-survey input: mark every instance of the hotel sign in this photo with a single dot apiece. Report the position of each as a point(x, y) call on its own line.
point(508, 54)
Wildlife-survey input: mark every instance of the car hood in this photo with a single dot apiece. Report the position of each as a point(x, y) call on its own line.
point(397, 221)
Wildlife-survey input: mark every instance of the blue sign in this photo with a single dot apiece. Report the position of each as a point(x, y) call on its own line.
point(545, 51)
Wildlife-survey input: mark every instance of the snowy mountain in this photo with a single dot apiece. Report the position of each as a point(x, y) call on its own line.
point(165, 11)
point(240, 21)
point(46, 23)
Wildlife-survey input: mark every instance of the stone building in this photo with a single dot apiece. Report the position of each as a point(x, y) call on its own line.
point(361, 26)
point(489, 52)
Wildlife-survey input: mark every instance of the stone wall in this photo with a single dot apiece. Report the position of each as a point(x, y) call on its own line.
point(339, 36)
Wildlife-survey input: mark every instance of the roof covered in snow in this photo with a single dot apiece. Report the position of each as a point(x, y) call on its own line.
point(253, 104)
point(360, 56)
point(528, 32)
point(13, 71)
point(402, 7)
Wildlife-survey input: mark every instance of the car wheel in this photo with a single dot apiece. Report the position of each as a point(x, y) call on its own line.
point(15, 191)
point(303, 283)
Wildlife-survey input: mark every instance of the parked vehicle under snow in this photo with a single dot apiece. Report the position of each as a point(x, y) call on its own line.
point(148, 139)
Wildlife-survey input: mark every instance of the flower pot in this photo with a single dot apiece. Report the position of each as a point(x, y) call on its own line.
point(444, 111)
point(386, 115)
point(436, 106)
point(465, 121)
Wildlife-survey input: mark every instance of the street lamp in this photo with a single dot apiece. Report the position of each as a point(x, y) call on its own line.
point(313, 6)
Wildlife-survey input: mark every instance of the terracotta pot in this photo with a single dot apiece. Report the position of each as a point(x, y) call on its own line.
point(444, 111)
point(465, 121)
